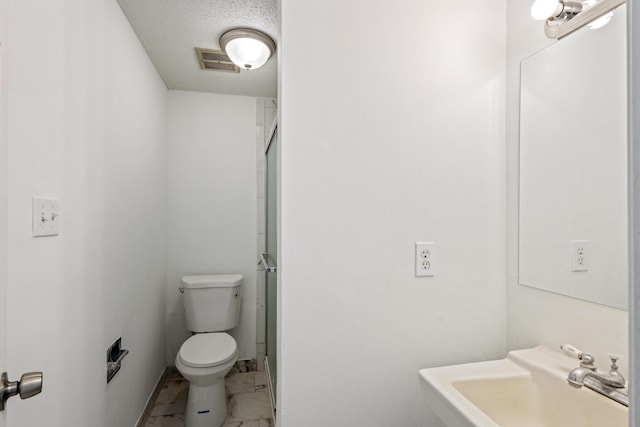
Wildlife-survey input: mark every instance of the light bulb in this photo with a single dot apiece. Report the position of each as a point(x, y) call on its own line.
point(544, 9)
point(248, 53)
point(600, 22)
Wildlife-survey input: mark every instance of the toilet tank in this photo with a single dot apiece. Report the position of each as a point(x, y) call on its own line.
point(211, 302)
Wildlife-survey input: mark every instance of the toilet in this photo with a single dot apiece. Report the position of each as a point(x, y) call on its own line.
point(211, 306)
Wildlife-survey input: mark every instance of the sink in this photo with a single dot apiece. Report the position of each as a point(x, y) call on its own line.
point(528, 388)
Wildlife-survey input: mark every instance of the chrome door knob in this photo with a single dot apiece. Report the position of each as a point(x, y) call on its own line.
point(29, 385)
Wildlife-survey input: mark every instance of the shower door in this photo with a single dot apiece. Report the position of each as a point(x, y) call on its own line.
point(271, 195)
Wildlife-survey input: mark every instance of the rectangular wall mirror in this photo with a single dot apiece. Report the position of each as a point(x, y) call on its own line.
point(573, 166)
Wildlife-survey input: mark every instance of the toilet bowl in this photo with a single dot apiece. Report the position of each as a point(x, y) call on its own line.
point(204, 360)
point(212, 305)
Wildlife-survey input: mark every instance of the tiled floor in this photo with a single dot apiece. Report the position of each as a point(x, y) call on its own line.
point(247, 399)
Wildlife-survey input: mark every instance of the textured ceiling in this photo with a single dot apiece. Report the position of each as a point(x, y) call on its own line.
point(170, 30)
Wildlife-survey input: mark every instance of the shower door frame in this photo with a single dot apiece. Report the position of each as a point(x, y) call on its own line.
point(271, 277)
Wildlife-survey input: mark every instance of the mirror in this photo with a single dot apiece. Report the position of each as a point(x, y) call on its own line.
point(573, 166)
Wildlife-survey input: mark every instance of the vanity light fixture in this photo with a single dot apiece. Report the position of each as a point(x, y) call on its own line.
point(247, 48)
point(555, 10)
point(563, 17)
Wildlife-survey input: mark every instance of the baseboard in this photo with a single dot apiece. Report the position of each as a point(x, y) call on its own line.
point(142, 420)
point(272, 393)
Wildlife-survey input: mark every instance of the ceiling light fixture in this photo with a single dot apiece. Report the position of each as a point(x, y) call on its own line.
point(247, 48)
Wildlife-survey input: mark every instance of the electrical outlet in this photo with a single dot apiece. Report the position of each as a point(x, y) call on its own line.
point(579, 253)
point(424, 259)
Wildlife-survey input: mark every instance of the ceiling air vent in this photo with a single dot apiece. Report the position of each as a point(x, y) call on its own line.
point(211, 59)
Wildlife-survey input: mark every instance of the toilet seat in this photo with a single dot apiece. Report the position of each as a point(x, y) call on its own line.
point(207, 350)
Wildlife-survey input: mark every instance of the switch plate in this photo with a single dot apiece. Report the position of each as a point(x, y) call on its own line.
point(424, 259)
point(579, 253)
point(46, 216)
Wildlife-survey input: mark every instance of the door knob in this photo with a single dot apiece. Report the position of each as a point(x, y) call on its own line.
point(29, 385)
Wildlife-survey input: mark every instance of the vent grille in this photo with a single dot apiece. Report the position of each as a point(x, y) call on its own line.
point(211, 59)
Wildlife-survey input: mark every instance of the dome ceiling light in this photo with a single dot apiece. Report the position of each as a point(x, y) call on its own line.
point(248, 49)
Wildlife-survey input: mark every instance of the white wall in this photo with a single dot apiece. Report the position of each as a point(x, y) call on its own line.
point(3, 196)
point(392, 128)
point(634, 208)
point(212, 204)
point(535, 316)
point(86, 124)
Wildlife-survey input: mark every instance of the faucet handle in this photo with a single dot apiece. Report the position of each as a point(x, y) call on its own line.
point(616, 378)
point(614, 359)
point(572, 351)
point(586, 360)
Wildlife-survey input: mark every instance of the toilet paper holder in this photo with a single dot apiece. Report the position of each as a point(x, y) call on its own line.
point(115, 354)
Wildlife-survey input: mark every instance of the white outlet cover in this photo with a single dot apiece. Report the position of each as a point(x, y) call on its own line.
point(46, 216)
point(424, 260)
point(579, 255)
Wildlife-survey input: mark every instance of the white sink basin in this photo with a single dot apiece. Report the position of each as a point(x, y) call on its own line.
point(526, 389)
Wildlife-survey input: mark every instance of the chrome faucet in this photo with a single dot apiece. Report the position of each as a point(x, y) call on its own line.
point(613, 378)
point(610, 384)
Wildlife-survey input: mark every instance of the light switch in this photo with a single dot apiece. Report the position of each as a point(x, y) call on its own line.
point(46, 216)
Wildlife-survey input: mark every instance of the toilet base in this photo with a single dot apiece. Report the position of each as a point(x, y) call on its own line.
point(206, 405)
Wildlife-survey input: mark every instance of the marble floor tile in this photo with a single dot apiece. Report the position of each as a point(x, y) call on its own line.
point(248, 402)
point(173, 373)
point(240, 383)
point(244, 366)
point(166, 421)
point(261, 378)
point(172, 408)
point(173, 391)
point(250, 406)
point(261, 382)
point(245, 423)
point(248, 423)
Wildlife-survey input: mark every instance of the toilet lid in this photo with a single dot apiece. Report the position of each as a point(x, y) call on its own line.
point(205, 350)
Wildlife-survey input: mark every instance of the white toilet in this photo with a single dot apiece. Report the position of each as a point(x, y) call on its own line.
point(211, 305)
